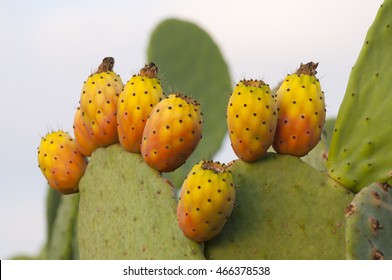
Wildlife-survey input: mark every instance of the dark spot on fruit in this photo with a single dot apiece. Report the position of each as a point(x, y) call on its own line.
point(167, 127)
point(294, 137)
point(90, 101)
point(167, 147)
point(209, 180)
point(188, 192)
point(294, 102)
point(108, 85)
point(259, 98)
point(108, 102)
point(288, 89)
point(229, 199)
point(247, 129)
point(302, 116)
point(122, 100)
point(151, 105)
point(310, 99)
point(239, 93)
point(181, 139)
point(254, 114)
point(146, 92)
point(169, 107)
point(245, 105)
point(209, 200)
point(197, 209)
point(137, 108)
point(180, 121)
point(285, 121)
point(219, 191)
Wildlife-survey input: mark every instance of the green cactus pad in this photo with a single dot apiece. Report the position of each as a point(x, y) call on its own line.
point(361, 151)
point(369, 224)
point(128, 211)
point(190, 62)
point(61, 244)
point(285, 209)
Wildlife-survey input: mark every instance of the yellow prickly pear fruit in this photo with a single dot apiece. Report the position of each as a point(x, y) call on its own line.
point(98, 106)
point(141, 93)
point(206, 200)
point(61, 162)
point(251, 119)
point(301, 112)
point(172, 132)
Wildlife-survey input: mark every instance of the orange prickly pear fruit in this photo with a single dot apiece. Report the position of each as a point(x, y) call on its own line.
point(141, 93)
point(301, 112)
point(61, 162)
point(172, 132)
point(98, 106)
point(206, 200)
point(85, 144)
point(251, 119)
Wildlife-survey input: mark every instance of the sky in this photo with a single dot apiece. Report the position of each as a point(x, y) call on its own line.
point(48, 48)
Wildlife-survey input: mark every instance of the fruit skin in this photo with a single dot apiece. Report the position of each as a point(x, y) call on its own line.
point(85, 142)
point(61, 162)
point(251, 119)
point(172, 132)
point(206, 200)
point(98, 105)
point(139, 96)
point(301, 112)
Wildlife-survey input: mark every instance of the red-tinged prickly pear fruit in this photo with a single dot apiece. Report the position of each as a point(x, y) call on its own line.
point(61, 162)
point(206, 200)
point(172, 132)
point(85, 144)
point(98, 104)
point(251, 119)
point(301, 112)
point(141, 93)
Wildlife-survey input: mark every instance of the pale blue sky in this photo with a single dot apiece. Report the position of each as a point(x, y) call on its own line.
point(48, 48)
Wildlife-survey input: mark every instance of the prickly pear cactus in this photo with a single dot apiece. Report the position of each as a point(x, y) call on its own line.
point(369, 224)
point(285, 209)
point(191, 62)
point(128, 211)
point(361, 151)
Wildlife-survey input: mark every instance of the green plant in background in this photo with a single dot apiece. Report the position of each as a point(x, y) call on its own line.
point(286, 207)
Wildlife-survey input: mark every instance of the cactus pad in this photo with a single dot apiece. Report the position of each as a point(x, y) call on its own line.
point(128, 211)
point(285, 209)
point(361, 151)
point(369, 223)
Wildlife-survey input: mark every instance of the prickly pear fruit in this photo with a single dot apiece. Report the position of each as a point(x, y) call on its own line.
point(172, 132)
point(301, 112)
point(141, 93)
point(98, 105)
point(206, 200)
point(251, 119)
point(61, 162)
point(85, 142)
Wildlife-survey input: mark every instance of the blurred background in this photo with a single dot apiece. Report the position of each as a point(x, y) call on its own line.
point(48, 48)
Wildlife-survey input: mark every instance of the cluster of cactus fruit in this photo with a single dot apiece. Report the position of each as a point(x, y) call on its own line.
point(296, 184)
